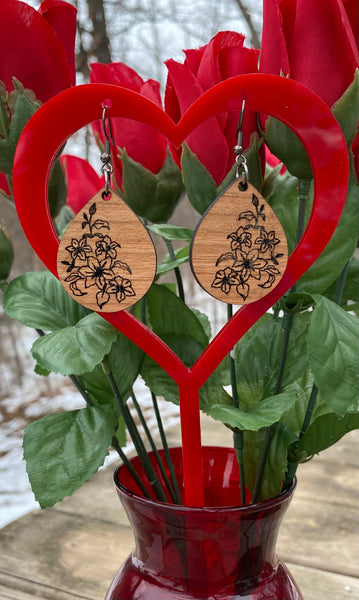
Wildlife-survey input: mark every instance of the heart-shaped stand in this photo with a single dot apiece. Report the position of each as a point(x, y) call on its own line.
point(287, 100)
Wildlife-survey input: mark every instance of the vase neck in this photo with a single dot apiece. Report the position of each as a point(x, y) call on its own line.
point(222, 547)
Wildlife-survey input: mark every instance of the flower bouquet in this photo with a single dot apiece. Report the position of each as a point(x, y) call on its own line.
point(288, 388)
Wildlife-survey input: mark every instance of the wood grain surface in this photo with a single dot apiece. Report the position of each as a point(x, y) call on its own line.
point(239, 249)
point(106, 259)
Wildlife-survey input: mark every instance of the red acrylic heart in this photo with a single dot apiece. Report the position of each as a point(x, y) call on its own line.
point(287, 100)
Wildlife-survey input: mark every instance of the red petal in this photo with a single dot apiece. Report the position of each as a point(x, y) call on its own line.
point(207, 141)
point(82, 181)
point(4, 186)
point(142, 143)
point(352, 10)
point(62, 18)
point(209, 72)
point(274, 54)
point(321, 50)
point(31, 51)
point(116, 74)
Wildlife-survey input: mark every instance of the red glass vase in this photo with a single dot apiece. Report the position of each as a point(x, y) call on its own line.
point(219, 552)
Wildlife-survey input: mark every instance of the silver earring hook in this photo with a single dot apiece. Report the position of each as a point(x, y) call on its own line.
point(107, 168)
point(241, 161)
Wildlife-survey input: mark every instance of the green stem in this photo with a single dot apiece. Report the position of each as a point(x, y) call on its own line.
point(303, 189)
point(176, 270)
point(138, 443)
point(238, 436)
point(153, 446)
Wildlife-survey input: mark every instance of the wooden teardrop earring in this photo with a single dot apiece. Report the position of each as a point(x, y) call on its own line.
point(239, 251)
point(106, 259)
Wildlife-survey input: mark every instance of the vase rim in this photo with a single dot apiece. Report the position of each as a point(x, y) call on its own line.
point(149, 502)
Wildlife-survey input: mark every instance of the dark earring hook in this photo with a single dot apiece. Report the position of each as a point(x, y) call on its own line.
point(107, 130)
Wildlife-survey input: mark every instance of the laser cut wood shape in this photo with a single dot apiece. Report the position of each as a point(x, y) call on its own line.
point(239, 250)
point(106, 260)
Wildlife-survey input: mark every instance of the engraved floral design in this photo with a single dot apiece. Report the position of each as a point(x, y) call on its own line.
point(93, 261)
point(252, 257)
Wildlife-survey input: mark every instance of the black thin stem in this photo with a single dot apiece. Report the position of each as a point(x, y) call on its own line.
point(238, 436)
point(166, 449)
point(132, 429)
point(303, 189)
point(161, 428)
point(129, 466)
point(153, 446)
point(176, 270)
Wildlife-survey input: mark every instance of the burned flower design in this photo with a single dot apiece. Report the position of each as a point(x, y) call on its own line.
point(121, 288)
point(94, 261)
point(226, 279)
point(252, 258)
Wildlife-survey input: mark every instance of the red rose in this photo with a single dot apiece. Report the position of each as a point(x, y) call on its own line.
point(223, 57)
point(314, 42)
point(142, 143)
point(82, 181)
point(37, 47)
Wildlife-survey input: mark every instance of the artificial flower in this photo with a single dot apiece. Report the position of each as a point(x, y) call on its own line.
point(38, 46)
point(223, 57)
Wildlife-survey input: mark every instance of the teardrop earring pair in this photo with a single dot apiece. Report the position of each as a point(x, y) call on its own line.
point(107, 261)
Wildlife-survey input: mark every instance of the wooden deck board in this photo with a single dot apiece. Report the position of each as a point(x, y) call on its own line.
point(73, 550)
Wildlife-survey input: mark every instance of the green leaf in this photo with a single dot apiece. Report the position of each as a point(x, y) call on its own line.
point(57, 189)
point(25, 106)
point(323, 433)
point(4, 111)
point(284, 202)
point(350, 292)
point(263, 414)
point(151, 196)
point(77, 349)
point(270, 179)
point(200, 186)
point(276, 463)
point(340, 249)
point(286, 146)
point(346, 110)
point(63, 450)
point(187, 349)
point(253, 161)
point(64, 218)
point(172, 232)
point(170, 315)
point(6, 253)
point(167, 265)
point(125, 359)
point(333, 352)
point(257, 358)
point(302, 388)
point(37, 299)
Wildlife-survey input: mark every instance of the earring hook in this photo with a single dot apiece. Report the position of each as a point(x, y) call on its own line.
point(241, 160)
point(107, 130)
point(107, 168)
